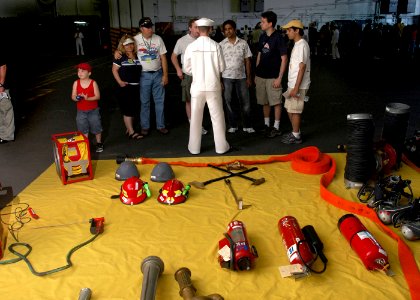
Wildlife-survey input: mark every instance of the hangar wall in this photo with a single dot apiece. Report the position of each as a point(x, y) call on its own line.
point(180, 11)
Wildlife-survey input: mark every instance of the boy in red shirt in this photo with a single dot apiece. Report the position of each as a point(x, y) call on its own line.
point(86, 94)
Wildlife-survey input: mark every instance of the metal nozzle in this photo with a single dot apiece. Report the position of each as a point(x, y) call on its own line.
point(137, 160)
point(151, 267)
point(187, 289)
point(85, 294)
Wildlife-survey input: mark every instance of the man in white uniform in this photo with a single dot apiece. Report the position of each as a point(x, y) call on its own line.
point(204, 60)
point(298, 80)
point(186, 79)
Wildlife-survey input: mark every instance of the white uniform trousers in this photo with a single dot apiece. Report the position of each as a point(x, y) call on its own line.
point(215, 105)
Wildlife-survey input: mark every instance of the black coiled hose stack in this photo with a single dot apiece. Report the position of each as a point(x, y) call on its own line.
point(360, 161)
point(395, 127)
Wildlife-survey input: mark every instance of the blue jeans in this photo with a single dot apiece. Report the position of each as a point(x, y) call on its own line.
point(151, 84)
point(242, 93)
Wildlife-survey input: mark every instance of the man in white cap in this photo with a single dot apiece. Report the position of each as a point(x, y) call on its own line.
point(203, 58)
point(186, 79)
point(298, 80)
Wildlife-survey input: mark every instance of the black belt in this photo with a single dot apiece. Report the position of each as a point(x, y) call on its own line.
point(150, 71)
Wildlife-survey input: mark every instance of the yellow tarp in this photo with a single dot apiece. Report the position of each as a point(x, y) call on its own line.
point(187, 235)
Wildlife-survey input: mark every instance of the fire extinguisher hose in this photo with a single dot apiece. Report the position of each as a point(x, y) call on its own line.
point(24, 256)
point(316, 257)
point(310, 160)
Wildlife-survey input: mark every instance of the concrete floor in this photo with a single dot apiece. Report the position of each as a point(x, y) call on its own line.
point(338, 88)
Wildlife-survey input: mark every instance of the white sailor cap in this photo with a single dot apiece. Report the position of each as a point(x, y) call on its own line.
point(204, 22)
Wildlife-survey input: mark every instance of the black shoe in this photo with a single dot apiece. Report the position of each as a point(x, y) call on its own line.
point(3, 141)
point(291, 139)
point(273, 133)
point(163, 130)
point(99, 147)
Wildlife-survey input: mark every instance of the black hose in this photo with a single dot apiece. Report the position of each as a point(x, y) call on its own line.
point(360, 161)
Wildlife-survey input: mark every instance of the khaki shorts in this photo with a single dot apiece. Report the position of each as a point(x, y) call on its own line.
point(294, 105)
point(266, 94)
point(186, 87)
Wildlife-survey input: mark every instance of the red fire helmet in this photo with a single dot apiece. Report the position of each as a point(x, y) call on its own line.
point(173, 192)
point(133, 191)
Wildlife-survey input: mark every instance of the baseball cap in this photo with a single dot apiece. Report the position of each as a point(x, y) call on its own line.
point(84, 66)
point(146, 22)
point(293, 23)
point(204, 22)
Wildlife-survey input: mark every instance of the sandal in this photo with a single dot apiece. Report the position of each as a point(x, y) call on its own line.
point(135, 136)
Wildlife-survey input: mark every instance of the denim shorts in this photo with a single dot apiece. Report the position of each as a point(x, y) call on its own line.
point(89, 121)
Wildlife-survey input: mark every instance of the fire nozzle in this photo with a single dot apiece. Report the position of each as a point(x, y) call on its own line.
point(137, 159)
point(187, 289)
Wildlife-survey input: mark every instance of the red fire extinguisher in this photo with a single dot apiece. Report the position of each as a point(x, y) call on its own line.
point(297, 250)
point(373, 256)
point(235, 253)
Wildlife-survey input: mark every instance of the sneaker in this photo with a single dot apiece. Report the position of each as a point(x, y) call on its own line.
point(99, 147)
point(291, 139)
point(203, 131)
point(273, 132)
point(233, 130)
point(249, 130)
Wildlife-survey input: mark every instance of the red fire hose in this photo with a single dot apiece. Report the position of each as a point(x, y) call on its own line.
point(310, 160)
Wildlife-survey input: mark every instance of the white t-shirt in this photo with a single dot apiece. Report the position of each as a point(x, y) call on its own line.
point(235, 55)
point(180, 47)
point(300, 54)
point(204, 60)
point(149, 52)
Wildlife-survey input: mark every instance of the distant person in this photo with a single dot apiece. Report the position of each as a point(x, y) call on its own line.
point(256, 33)
point(324, 39)
point(86, 95)
point(204, 60)
point(218, 35)
point(313, 38)
point(298, 80)
point(270, 67)
point(186, 79)
point(78, 36)
point(127, 71)
point(7, 117)
point(237, 75)
point(335, 35)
